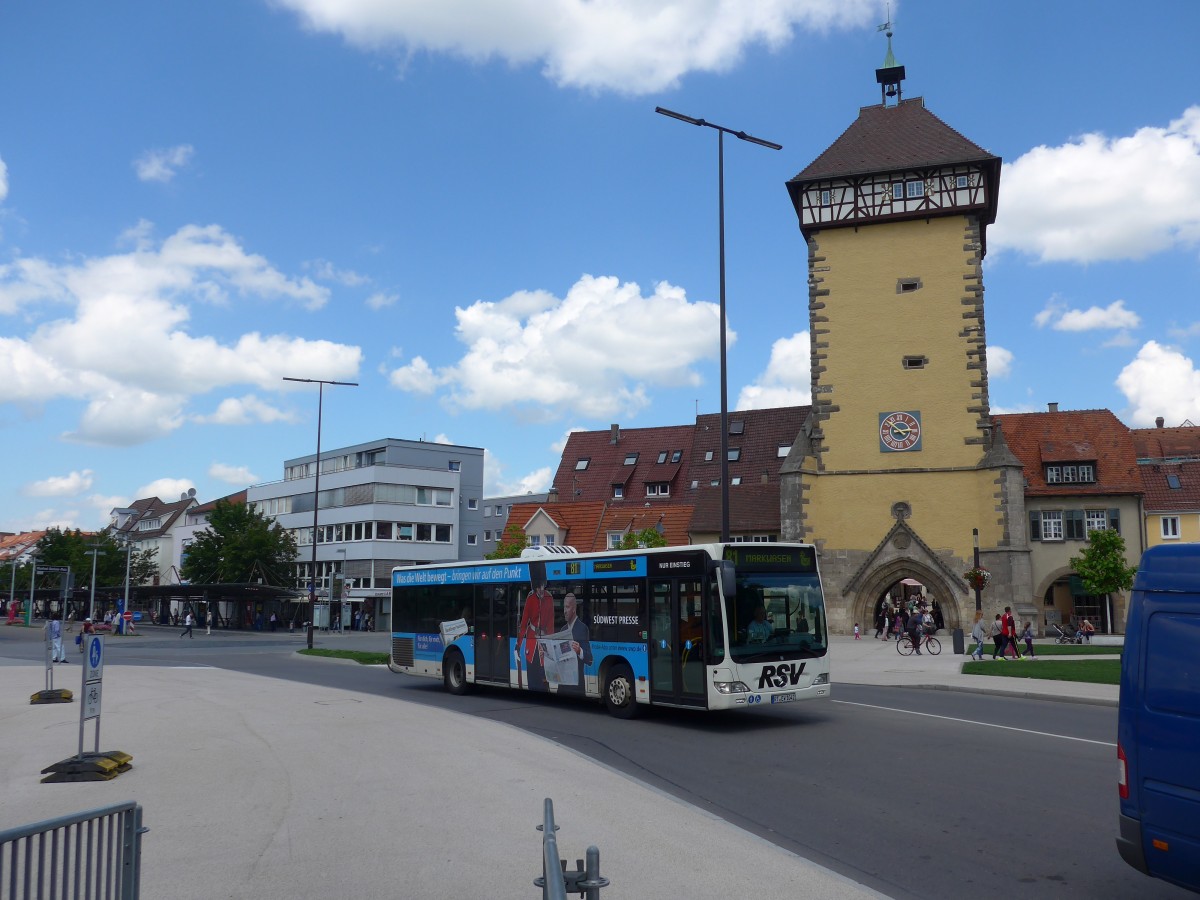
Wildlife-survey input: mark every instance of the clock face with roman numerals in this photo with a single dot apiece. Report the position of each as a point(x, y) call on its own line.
point(899, 431)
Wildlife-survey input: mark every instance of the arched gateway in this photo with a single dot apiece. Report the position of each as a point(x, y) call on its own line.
point(951, 598)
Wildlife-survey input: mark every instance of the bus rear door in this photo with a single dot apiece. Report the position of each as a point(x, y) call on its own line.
point(493, 624)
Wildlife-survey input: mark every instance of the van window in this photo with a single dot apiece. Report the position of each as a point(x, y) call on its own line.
point(1171, 685)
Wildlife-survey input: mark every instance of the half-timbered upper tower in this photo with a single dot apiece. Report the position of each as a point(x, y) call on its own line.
point(898, 462)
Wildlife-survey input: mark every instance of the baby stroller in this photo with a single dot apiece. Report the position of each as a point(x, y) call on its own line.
point(1066, 637)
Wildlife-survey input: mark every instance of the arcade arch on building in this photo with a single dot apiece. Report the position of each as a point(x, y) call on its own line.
point(949, 596)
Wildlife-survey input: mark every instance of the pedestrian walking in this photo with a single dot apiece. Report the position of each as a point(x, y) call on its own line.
point(997, 634)
point(188, 622)
point(1010, 633)
point(978, 635)
point(1027, 636)
point(54, 629)
point(857, 636)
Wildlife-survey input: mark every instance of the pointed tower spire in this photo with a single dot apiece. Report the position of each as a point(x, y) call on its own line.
point(891, 73)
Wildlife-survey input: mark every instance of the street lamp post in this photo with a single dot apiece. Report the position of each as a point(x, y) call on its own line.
point(312, 584)
point(125, 605)
point(742, 136)
point(33, 558)
point(978, 597)
point(93, 553)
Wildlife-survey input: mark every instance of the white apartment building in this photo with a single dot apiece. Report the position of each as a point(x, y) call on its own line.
point(382, 503)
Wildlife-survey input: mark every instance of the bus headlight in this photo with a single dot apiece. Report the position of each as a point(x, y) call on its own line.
point(731, 687)
point(823, 678)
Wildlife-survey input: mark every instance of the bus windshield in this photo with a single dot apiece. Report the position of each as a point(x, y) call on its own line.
point(776, 615)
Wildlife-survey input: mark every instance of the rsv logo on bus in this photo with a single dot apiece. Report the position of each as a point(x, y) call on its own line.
point(780, 676)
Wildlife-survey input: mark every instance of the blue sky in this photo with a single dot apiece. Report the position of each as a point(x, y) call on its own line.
point(471, 209)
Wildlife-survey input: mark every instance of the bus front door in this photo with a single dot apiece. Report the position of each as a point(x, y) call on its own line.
point(492, 628)
point(676, 643)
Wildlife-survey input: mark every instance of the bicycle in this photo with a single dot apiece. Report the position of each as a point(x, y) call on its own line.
point(905, 647)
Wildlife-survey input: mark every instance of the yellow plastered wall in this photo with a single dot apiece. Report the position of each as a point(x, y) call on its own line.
point(872, 327)
point(1189, 529)
point(854, 512)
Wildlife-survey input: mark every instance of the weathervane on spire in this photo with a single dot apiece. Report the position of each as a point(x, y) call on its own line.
point(891, 73)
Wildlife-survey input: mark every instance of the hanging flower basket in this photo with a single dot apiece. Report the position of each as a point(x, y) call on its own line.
point(978, 577)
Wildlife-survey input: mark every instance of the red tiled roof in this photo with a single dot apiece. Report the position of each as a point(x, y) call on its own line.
point(606, 461)
point(1159, 496)
point(1028, 435)
point(884, 139)
point(578, 521)
point(752, 508)
point(1167, 443)
point(15, 545)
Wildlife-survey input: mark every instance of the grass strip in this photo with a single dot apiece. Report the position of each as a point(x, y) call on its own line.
point(362, 657)
point(1091, 671)
point(1072, 649)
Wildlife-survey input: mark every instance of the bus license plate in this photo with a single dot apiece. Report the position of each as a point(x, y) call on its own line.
point(783, 698)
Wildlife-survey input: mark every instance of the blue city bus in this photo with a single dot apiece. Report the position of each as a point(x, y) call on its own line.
point(713, 626)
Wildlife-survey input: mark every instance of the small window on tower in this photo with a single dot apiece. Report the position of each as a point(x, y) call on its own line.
point(963, 181)
point(914, 188)
point(826, 198)
point(898, 191)
point(914, 362)
point(908, 285)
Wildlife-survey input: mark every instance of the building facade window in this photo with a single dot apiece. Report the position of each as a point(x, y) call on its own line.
point(1097, 520)
point(1169, 526)
point(913, 189)
point(1081, 473)
point(473, 503)
point(1052, 525)
point(614, 539)
point(472, 540)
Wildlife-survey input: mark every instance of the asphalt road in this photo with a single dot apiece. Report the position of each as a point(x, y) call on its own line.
point(916, 793)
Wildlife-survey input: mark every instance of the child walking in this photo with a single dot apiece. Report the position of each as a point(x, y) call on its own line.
point(857, 636)
point(1027, 636)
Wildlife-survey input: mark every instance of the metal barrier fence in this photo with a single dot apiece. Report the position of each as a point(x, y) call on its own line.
point(556, 880)
point(94, 855)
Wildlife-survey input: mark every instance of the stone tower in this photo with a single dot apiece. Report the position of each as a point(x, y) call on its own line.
point(898, 465)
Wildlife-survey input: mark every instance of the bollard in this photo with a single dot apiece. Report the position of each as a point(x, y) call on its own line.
point(557, 880)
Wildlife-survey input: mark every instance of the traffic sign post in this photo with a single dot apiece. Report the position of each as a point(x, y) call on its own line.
point(95, 766)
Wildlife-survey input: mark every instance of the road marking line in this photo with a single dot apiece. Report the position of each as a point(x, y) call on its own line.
point(1065, 737)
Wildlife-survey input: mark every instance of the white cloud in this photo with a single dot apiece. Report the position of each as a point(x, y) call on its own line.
point(628, 46)
point(999, 361)
point(1184, 332)
point(596, 352)
point(169, 490)
point(125, 350)
point(1101, 198)
point(162, 165)
point(380, 300)
point(61, 485)
point(787, 380)
point(327, 271)
point(245, 410)
point(1161, 381)
point(238, 476)
point(1112, 317)
point(495, 484)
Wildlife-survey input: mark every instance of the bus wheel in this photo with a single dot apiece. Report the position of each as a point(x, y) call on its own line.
point(454, 673)
point(618, 692)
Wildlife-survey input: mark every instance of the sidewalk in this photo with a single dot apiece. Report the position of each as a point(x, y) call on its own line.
point(870, 661)
point(260, 788)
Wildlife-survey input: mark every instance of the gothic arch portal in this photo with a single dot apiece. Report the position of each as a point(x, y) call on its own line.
point(949, 596)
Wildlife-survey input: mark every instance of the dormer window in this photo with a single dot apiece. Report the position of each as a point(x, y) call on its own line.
point(1173, 482)
point(658, 489)
point(582, 463)
point(737, 427)
point(662, 457)
point(1071, 473)
point(676, 456)
point(631, 459)
point(618, 491)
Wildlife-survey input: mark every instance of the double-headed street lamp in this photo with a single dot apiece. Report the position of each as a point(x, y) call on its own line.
point(312, 585)
point(741, 136)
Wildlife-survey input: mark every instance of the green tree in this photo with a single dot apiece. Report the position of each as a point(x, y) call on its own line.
point(509, 546)
point(647, 537)
point(241, 545)
point(1102, 566)
point(143, 566)
point(72, 548)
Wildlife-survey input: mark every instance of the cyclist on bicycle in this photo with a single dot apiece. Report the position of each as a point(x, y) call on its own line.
point(916, 630)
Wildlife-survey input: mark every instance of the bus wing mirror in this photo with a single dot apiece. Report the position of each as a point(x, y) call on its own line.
point(728, 578)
